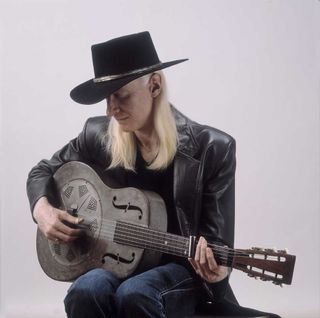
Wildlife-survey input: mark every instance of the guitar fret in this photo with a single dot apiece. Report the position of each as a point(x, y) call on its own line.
point(130, 234)
point(155, 247)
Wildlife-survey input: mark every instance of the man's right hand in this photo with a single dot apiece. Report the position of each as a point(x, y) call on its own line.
point(50, 222)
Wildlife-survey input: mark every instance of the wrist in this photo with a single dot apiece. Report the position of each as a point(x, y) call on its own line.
point(39, 206)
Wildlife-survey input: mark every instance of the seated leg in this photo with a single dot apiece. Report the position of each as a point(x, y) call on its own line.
point(164, 291)
point(92, 295)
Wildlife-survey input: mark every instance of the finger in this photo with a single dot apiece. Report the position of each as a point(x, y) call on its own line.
point(51, 231)
point(197, 254)
point(203, 253)
point(64, 226)
point(207, 272)
point(196, 266)
point(57, 225)
point(65, 216)
point(65, 229)
point(212, 264)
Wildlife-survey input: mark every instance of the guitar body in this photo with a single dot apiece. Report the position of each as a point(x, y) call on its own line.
point(83, 194)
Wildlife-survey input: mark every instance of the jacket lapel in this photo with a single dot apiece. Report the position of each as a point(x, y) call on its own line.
point(185, 179)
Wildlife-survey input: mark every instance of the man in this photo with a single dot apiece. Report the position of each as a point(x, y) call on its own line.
point(146, 143)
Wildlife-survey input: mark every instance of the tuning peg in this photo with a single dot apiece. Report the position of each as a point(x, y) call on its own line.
point(277, 283)
point(285, 251)
point(250, 275)
point(271, 250)
point(257, 248)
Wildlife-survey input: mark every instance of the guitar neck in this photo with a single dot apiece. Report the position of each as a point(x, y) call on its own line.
point(143, 237)
point(266, 264)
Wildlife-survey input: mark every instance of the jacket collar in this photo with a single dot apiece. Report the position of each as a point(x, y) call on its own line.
point(186, 175)
point(186, 142)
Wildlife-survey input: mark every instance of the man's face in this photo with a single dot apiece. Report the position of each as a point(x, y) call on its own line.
point(131, 105)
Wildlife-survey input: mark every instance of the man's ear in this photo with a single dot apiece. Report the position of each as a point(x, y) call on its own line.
point(155, 84)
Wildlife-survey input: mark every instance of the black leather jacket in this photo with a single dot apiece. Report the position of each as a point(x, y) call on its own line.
point(204, 170)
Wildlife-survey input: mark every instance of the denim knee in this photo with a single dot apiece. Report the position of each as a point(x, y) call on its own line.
point(94, 282)
point(131, 295)
point(134, 298)
point(91, 292)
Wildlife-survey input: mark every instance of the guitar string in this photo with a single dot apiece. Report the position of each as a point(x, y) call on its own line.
point(176, 241)
point(139, 230)
point(174, 237)
point(219, 251)
point(122, 234)
point(223, 260)
point(123, 238)
point(127, 240)
point(143, 230)
point(217, 248)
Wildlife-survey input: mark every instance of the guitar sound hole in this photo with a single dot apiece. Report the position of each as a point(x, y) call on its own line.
point(57, 249)
point(119, 259)
point(68, 191)
point(92, 204)
point(93, 226)
point(83, 190)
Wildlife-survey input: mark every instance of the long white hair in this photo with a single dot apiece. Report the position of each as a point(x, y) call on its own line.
point(123, 145)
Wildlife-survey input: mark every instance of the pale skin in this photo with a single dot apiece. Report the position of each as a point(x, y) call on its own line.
point(132, 107)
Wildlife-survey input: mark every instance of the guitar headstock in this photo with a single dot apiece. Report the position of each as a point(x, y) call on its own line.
point(267, 264)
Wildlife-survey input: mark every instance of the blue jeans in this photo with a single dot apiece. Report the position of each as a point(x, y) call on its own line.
point(164, 291)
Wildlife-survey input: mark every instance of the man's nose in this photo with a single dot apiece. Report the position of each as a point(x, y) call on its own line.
point(112, 106)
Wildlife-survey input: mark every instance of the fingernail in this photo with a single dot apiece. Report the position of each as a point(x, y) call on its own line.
point(78, 220)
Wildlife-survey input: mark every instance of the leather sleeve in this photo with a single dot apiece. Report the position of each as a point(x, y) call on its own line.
point(83, 148)
point(218, 200)
point(218, 197)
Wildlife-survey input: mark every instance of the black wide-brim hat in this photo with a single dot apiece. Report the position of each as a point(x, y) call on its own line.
point(116, 63)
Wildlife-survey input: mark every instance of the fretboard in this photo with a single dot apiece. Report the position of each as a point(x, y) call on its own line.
point(142, 237)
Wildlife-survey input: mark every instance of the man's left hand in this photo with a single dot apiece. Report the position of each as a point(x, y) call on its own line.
point(205, 264)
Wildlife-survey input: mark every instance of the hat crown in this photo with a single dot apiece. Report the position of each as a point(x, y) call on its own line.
point(124, 54)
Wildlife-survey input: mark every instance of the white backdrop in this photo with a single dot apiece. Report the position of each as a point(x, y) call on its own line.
point(253, 72)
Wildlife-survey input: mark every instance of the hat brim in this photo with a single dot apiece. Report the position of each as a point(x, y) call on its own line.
point(89, 92)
